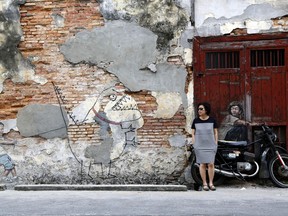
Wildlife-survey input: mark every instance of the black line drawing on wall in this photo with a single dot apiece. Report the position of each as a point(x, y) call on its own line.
point(119, 118)
point(123, 116)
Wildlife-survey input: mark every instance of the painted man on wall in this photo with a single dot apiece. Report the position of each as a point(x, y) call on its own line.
point(234, 127)
point(5, 159)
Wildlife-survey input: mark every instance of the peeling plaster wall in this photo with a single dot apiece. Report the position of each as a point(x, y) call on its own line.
point(158, 16)
point(52, 161)
point(168, 104)
point(12, 64)
point(128, 51)
point(132, 135)
point(218, 17)
point(134, 52)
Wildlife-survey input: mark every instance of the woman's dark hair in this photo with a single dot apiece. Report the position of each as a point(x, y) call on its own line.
point(207, 107)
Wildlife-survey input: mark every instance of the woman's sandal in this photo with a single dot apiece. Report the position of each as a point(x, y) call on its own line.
point(212, 187)
point(205, 188)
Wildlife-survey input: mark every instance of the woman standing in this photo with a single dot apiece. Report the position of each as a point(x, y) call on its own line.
point(204, 139)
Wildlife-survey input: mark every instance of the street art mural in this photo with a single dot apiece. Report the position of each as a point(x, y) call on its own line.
point(119, 118)
point(5, 159)
point(145, 45)
point(121, 113)
point(234, 127)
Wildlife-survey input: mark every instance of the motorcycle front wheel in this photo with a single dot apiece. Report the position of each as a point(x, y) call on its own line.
point(218, 179)
point(278, 173)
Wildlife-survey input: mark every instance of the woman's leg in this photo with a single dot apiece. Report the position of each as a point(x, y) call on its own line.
point(203, 173)
point(211, 171)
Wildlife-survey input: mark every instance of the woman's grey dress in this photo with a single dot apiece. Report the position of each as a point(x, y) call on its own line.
point(204, 146)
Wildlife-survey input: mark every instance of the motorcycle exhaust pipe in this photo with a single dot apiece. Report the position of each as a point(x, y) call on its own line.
point(231, 174)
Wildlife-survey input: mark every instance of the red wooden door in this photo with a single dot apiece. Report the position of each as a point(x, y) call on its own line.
point(267, 72)
point(218, 76)
point(250, 69)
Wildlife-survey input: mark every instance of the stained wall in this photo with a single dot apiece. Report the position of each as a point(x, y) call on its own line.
point(102, 91)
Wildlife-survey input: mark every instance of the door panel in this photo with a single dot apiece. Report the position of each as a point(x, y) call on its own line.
point(268, 83)
point(268, 95)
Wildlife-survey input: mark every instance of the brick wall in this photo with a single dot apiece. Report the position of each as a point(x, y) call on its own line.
point(40, 44)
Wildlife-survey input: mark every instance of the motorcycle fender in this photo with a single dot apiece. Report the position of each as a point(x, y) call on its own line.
point(264, 172)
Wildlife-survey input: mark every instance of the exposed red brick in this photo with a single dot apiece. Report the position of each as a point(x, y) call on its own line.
point(41, 41)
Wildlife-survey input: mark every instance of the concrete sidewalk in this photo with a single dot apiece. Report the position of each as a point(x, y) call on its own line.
point(56, 187)
point(226, 201)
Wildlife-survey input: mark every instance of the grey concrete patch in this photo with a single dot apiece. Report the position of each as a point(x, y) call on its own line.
point(126, 50)
point(177, 140)
point(101, 187)
point(100, 153)
point(165, 19)
point(47, 121)
point(118, 44)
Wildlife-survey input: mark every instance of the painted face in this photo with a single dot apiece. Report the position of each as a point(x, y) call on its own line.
point(112, 97)
point(235, 110)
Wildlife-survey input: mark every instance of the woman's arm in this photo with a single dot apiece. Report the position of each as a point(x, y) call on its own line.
point(193, 136)
point(216, 135)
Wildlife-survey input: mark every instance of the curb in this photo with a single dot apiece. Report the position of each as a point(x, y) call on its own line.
point(101, 187)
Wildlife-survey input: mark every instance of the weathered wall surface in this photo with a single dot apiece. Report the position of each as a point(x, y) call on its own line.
point(118, 73)
point(256, 16)
point(83, 52)
point(12, 65)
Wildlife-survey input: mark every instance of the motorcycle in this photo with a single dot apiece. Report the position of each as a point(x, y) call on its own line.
point(235, 159)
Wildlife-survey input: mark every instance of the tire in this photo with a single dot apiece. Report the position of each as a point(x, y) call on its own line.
point(218, 179)
point(278, 175)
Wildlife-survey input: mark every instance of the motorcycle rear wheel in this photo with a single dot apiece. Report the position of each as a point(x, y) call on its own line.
point(278, 174)
point(218, 179)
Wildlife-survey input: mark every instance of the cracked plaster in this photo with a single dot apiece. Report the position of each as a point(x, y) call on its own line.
point(168, 104)
point(165, 18)
point(152, 25)
point(126, 50)
point(12, 64)
point(221, 17)
point(9, 125)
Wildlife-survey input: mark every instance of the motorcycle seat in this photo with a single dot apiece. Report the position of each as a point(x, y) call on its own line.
point(232, 143)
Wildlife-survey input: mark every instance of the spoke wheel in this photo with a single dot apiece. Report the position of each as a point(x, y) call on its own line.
point(278, 173)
